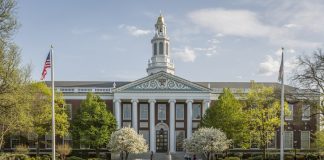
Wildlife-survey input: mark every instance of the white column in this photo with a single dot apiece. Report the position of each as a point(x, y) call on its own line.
point(152, 124)
point(172, 122)
point(205, 106)
point(189, 117)
point(117, 112)
point(134, 114)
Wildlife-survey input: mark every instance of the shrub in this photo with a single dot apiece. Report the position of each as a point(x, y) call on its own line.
point(232, 158)
point(22, 149)
point(74, 158)
point(63, 150)
point(9, 156)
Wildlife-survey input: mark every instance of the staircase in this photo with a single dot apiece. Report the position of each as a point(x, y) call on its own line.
point(156, 156)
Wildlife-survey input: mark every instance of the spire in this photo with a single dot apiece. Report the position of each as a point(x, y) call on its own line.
point(160, 60)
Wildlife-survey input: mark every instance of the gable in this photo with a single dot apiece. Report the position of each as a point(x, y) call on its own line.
point(162, 82)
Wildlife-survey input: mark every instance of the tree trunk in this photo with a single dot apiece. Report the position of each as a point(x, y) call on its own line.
point(37, 147)
point(126, 157)
point(97, 152)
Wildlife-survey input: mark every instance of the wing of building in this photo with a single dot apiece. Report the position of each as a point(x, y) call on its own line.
point(166, 108)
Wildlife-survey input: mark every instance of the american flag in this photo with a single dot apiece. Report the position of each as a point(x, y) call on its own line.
point(281, 72)
point(46, 65)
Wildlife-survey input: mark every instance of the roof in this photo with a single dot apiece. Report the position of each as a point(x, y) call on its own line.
point(95, 84)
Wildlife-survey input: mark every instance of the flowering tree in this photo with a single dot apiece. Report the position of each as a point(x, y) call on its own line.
point(207, 141)
point(126, 141)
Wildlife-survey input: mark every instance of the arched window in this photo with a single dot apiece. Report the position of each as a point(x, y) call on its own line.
point(167, 48)
point(161, 48)
point(155, 49)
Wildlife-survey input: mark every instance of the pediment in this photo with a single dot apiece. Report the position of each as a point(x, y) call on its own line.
point(162, 82)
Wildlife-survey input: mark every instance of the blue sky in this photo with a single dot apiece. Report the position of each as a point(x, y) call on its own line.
point(210, 40)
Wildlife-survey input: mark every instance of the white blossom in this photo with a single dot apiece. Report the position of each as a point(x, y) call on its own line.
point(128, 141)
point(206, 141)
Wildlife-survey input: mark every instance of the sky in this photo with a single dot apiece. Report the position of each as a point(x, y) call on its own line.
point(210, 40)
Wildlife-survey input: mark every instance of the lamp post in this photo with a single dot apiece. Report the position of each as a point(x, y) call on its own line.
point(295, 147)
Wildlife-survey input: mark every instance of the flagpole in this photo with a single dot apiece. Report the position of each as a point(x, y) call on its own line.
point(53, 104)
point(282, 108)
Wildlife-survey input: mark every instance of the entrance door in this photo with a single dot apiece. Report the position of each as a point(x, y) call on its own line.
point(161, 140)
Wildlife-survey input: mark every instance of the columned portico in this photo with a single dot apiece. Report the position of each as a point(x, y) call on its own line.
point(152, 124)
point(189, 117)
point(117, 112)
point(134, 114)
point(172, 123)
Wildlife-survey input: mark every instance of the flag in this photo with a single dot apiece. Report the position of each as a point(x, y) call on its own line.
point(281, 71)
point(46, 65)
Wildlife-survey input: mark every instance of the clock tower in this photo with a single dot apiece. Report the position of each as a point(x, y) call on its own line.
point(160, 60)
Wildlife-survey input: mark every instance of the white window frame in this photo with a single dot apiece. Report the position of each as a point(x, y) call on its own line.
point(47, 139)
point(12, 138)
point(175, 139)
point(83, 146)
point(301, 146)
point(67, 137)
point(193, 109)
point(69, 110)
point(32, 137)
point(292, 139)
point(142, 106)
point(275, 140)
point(148, 135)
point(164, 109)
point(291, 116)
point(304, 107)
point(126, 105)
point(183, 109)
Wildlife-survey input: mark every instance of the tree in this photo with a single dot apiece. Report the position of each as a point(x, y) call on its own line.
point(227, 114)
point(207, 141)
point(8, 23)
point(94, 123)
point(264, 112)
point(41, 112)
point(309, 75)
point(13, 77)
point(126, 141)
point(319, 141)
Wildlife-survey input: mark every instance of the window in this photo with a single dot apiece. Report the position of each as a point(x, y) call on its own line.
point(14, 140)
point(167, 48)
point(273, 140)
point(67, 139)
point(143, 111)
point(146, 135)
point(68, 108)
point(180, 136)
point(179, 111)
point(288, 138)
point(127, 124)
point(306, 112)
point(304, 139)
point(161, 48)
point(127, 111)
point(48, 141)
point(196, 111)
point(155, 49)
point(82, 144)
point(32, 139)
point(161, 111)
point(291, 112)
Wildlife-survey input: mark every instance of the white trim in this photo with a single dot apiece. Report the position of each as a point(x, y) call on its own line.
point(46, 139)
point(291, 116)
point(303, 110)
point(301, 139)
point(11, 138)
point(292, 139)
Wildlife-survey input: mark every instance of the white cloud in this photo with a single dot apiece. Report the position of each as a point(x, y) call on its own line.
point(270, 66)
point(267, 25)
point(134, 31)
point(231, 22)
point(186, 54)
